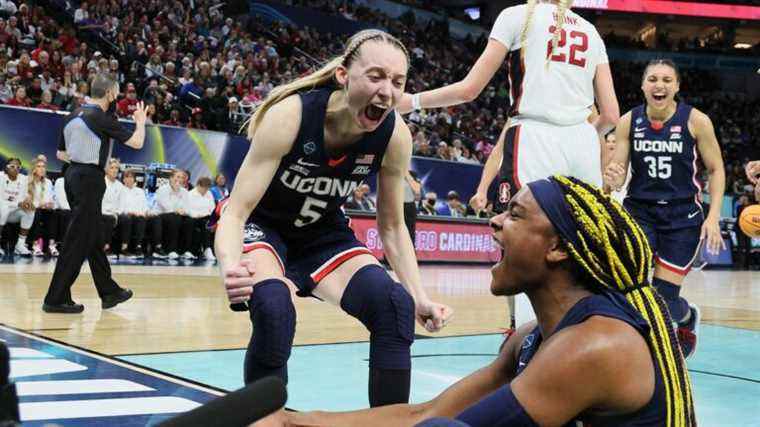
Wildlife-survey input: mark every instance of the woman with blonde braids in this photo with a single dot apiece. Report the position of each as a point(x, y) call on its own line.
point(313, 141)
point(601, 352)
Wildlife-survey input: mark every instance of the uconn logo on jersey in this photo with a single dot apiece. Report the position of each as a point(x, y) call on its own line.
point(657, 151)
point(319, 186)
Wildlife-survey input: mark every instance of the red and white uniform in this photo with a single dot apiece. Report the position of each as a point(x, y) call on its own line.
point(550, 103)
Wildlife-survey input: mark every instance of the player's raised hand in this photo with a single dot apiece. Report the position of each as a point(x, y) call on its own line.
point(614, 176)
point(239, 281)
point(753, 171)
point(141, 113)
point(432, 315)
point(478, 202)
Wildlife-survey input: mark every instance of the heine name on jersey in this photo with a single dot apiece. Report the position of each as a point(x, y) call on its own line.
point(658, 146)
point(568, 19)
point(320, 186)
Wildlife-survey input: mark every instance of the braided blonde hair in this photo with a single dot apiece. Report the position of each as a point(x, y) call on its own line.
point(323, 76)
point(562, 7)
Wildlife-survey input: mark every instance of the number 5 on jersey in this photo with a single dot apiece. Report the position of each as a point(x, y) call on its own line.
point(309, 214)
point(578, 46)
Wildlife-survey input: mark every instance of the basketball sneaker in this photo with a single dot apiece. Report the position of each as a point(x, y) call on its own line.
point(688, 331)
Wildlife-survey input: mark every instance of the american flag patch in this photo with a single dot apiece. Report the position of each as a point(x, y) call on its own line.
point(675, 128)
point(365, 159)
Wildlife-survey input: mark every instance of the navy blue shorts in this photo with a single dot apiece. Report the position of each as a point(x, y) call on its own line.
point(306, 261)
point(673, 230)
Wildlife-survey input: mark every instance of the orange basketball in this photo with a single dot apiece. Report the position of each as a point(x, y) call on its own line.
point(749, 221)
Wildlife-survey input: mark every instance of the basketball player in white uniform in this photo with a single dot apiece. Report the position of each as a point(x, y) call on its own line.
point(558, 68)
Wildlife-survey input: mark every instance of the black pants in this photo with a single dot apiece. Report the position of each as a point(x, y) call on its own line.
point(64, 217)
point(178, 232)
point(85, 186)
point(45, 226)
point(410, 219)
point(201, 236)
point(108, 224)
point(131, 228)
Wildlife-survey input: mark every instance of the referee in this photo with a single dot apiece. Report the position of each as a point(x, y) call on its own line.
point(86, 142)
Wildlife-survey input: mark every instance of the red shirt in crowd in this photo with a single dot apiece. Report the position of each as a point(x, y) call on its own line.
point(126, 107)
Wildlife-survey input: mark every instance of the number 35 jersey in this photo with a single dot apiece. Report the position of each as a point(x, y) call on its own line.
point(663, 161)
point(560, 92)
point(309, 187)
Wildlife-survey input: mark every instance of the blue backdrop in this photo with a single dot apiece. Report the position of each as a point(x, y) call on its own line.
point(25, 133)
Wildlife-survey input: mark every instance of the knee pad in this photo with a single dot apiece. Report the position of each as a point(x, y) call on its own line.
point(274, 323)
point(387, 310)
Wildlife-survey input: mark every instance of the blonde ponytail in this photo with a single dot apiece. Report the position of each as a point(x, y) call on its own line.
point(530, 12)
point(323, 76)
point(562, 7)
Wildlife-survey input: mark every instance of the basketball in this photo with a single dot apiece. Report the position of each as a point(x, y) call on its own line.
point(749, 221)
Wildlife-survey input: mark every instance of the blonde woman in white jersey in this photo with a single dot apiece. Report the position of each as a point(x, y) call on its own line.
point(558, 67)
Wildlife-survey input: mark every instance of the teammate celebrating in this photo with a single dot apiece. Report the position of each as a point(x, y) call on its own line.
point(313, 142)
point(602, 351)
point(661, 140)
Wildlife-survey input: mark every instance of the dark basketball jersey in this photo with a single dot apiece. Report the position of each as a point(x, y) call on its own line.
point(614, 305)
point(309, 187)
point(663, 162)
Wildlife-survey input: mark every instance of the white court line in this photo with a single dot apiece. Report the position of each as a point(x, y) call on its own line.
point(104, 408)
point(29, 367)
point(50, 388)
point(17, 352)
point(114, 362)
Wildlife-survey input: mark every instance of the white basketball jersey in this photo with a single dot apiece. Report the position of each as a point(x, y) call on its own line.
point(561, 93)
point(13, 192)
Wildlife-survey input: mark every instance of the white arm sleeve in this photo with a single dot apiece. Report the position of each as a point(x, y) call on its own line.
point(509, 26)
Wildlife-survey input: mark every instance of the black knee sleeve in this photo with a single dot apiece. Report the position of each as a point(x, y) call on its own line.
point(274, 325)
point(387, 310)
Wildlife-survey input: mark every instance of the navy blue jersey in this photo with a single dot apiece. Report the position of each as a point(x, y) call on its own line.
point(663, 162)
point(614, 305)
point(309, 187)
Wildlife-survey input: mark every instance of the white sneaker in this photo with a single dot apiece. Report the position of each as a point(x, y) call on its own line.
point(209, 254)
point(2, 252)
point(53, 250)
point(21, 249)
point(173, 255)
point(188, 255)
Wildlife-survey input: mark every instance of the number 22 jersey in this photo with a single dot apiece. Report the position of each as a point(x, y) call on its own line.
point(561, 93)
point(663, 161)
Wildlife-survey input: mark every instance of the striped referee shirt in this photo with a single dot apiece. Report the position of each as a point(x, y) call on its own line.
point(88, 134)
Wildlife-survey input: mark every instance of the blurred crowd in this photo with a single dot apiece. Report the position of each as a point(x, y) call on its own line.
point(196, 67)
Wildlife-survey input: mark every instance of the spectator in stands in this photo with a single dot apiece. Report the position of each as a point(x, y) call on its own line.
point(360, 201)
point(200, 206)
point(45, 222)
point(128, 105)
point(34, 93)
point(171, 205)
point(133, 212)
point(453, 206)
point(6, 91)
point(47, 102)
point(111, 204)
point(219, 190)
point(20, 99)
point(428, 205)
point(16, 204)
